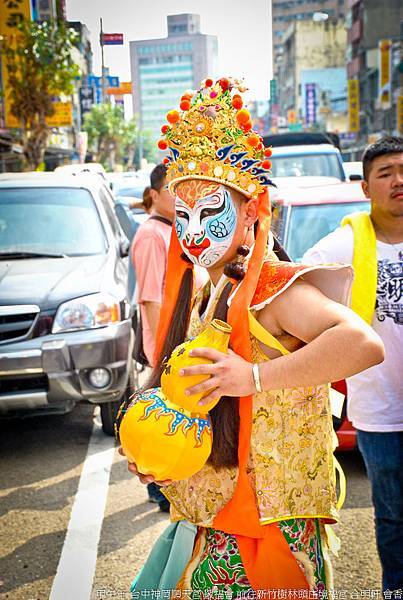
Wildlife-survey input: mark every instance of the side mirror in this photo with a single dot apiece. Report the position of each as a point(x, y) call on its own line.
point(124, 247)
point(355, 177)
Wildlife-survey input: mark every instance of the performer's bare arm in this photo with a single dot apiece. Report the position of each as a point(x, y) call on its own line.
point(338, 344)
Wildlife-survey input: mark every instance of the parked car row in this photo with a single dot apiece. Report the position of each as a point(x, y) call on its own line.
point(65, 305)
point(66, 295)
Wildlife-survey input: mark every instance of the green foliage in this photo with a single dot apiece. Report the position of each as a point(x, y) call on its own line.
point(110, 135)
point(40, 65)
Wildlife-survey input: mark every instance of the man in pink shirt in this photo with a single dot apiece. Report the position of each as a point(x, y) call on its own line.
point(149, 253)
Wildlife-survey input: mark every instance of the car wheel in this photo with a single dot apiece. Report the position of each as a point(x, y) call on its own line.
point(109, 410)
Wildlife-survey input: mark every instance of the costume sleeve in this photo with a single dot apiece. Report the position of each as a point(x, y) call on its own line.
point(335, 247)
point(149, 259)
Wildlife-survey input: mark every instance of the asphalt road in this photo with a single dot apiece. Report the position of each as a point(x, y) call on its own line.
point(41, 463)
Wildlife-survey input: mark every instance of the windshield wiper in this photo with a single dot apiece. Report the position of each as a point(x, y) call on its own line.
point(15, 255)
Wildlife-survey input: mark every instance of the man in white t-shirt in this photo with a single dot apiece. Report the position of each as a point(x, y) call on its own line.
point(375, 396)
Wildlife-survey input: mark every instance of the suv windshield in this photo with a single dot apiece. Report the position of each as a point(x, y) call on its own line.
point(309, 224)
point(56, 221)
point(306, 165)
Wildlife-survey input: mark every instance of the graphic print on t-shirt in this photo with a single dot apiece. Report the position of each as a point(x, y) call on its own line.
point(390, 290)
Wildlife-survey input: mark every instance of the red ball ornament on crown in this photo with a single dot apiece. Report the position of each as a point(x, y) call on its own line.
point(185, 104)
point(224, 83)
point(242, 116)
point(268, 152)
point(208, 83)
point(237, 102)
point(162, 144)
point(253, 140)
point(266, 164)
point(173, 116)
point(164, 129)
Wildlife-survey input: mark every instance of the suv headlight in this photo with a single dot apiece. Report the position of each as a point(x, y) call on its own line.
point(87, 312)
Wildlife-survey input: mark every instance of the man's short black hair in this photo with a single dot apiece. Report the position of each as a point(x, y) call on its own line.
point(386, 145)
point(157, 177)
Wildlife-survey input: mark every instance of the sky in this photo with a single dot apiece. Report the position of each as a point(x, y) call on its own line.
point(243, 29)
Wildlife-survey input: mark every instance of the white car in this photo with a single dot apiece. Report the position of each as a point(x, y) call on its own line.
point(353, 170)
point(81, 169)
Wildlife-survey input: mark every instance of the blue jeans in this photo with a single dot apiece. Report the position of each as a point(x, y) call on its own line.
point(154, 492)
point(383, 457)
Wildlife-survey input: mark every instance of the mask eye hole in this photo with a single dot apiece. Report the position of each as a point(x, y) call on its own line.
point(182, 215)
point(210, 212)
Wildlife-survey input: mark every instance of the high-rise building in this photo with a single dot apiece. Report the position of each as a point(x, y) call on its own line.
point(286, 12)
point(162, 69)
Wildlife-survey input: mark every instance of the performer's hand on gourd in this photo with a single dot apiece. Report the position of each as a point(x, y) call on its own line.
point(230, 375)
point(143, 478)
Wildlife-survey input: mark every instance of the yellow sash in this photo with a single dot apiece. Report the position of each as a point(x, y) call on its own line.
point(365, 265)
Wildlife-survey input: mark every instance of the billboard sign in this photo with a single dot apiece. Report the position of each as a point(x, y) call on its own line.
point(385, 72)
point(310, 103)
point(353, 101)
point(12, 14)
point(63, 115)
point(87, 99)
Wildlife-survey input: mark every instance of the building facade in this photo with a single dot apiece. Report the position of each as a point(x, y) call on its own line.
point(287, 12)
point(375, 33)
point(162, 69)
point(312, 82)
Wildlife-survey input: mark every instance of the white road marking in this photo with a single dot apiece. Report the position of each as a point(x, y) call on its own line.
point(76, 568)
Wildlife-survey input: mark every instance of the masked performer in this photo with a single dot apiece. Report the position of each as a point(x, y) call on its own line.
point(261, 505)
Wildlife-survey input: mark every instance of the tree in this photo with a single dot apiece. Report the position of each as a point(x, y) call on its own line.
point(40, 66)
point(112, 137)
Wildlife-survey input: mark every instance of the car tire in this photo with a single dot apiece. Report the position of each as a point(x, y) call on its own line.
point(109, 410)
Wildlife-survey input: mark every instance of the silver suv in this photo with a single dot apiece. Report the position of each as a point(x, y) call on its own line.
point(65, 313)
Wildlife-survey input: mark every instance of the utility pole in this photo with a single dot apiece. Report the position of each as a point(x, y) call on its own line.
point(101, 41)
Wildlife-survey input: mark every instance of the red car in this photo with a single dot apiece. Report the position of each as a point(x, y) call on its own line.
point(301, 217)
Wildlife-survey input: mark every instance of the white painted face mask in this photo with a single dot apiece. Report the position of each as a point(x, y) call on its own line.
point(206, 226)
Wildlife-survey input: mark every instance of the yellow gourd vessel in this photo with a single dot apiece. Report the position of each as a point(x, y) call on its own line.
point(167, 434)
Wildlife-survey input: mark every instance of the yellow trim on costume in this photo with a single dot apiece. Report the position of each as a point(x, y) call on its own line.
point(261, 334)
point(363, 297)
point(288, 517)
point(342, 481)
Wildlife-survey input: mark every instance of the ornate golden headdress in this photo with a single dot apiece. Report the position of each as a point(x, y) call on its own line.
point(211, 138)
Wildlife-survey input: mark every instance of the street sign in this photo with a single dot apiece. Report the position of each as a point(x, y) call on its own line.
point(63, 115)
point(110, 81)
point(112, 39)
point(124, 88)
point(87, 99)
